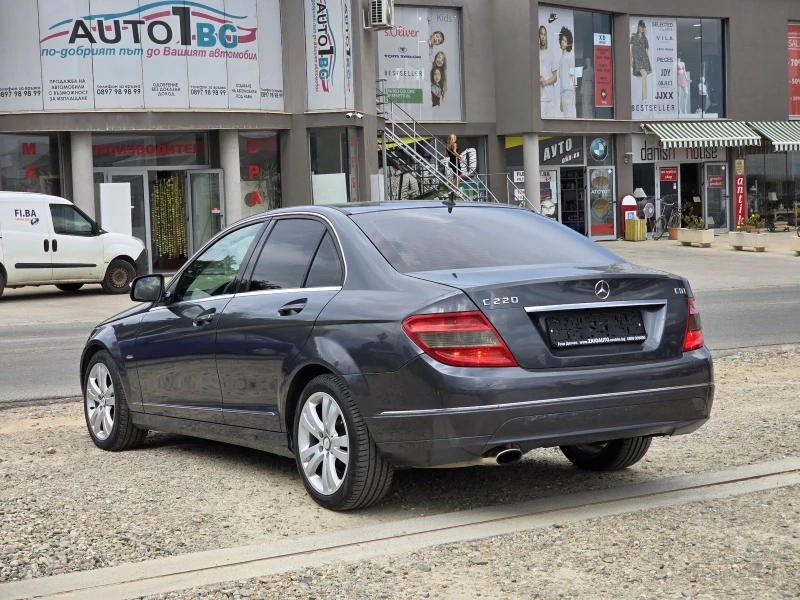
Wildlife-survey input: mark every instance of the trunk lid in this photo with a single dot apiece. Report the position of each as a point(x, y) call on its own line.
point(563, 316)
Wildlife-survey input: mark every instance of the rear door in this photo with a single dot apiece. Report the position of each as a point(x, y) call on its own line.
point(293, 277)
point(76, 246)
point(26, 240)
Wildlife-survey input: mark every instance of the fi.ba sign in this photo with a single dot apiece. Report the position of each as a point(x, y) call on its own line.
point(559, 151)
point(603, 77)
point(740, 209)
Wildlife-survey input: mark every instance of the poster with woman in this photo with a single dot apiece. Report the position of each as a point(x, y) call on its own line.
point(654, 68)
point(420, 58)
point(557, 76)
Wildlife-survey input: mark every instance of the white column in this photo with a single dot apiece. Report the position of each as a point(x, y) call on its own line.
point(229, 160)
point(82, 172)
point(530, 160)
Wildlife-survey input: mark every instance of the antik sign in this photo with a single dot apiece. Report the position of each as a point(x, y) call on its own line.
point(140, 54)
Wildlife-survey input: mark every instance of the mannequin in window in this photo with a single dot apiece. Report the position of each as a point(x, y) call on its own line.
point(587, 91)
point(705, 102)
point(684, 89)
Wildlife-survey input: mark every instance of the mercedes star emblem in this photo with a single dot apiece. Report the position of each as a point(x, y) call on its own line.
point(602, 289)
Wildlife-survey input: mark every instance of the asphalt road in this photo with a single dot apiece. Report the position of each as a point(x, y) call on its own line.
point(40, 360)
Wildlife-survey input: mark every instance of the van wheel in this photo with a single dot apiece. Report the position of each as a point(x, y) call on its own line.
point(2, 284)
point(119, 277)
point(69, 287)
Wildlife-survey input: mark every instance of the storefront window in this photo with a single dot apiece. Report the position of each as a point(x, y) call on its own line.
point(773, 183)
point(334, 166)
point(260, 171)
point(30, 163)
point(677, 68)
point(156, 150)
point(575, 64)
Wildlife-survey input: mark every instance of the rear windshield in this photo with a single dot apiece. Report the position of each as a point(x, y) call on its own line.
point(431, 239)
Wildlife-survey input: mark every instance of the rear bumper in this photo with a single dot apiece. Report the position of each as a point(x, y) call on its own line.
point(142, 268)
point(438, 415)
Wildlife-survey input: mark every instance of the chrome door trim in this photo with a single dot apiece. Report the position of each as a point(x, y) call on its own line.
point(181, 406)
point(511, 405)
point(593, 305)
point(288, 291)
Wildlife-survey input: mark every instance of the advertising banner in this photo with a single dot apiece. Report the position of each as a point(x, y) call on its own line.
point(329, 54)
point(561, 151)
point(654, 68)
point(603, 71)
point(646, 149)
point(794, 70)
point(420, 58)
point(557, 63)
point(740, 207)
point(140, 54)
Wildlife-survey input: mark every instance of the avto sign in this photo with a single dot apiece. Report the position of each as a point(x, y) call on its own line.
point(141, 54)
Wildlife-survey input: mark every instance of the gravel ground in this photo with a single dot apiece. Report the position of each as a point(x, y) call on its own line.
point(66, 506)
point(746, 547)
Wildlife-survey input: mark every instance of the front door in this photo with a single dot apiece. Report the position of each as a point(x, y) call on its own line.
point(715, 206)
point(140, 218)
point(205, 202)
point(77, 252)
point(174, 349)
point(602, 204)
point(265, 327)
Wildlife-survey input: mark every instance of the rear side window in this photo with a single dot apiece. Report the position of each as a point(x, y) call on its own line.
point(431, 239)
point(326, 270)
point(286, 257)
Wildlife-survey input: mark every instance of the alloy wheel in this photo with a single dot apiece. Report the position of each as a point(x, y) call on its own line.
point(101, 401)
point(323, 443)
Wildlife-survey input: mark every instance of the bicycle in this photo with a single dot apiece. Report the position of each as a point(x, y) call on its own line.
point(665, 221)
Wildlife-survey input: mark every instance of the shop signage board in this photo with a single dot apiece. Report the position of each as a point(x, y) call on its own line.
point(794, 70)
point(603, 71)
point(329, 54)
point(654, 75)
point(716, 182)
point(669, 174)
point(739, 184)
point(561, 151)
point(646, 149)
point(140, 54)
point(420, 58)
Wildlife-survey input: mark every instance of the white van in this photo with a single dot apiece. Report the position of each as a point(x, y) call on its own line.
point(45, 240)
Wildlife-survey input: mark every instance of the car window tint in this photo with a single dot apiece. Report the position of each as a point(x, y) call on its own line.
point(68, 221)
point(433, 239)
point(326, 270)
point(213, 272)
point(285, 258)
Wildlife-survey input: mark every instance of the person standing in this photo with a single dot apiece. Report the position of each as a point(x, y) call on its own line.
point(640, 57)
point(548, 76)
point(587, 91)
point(566, 67)
point(454, 157)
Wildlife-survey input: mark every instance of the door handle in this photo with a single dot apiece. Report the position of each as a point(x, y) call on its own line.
point(47, 245)
point(292, 308)
point(55, 245)
point(205, 317)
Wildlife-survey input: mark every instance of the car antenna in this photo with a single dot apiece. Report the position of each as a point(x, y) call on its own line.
point(449, 203)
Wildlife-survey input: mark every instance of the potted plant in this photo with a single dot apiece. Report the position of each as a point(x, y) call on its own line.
point(750, 235)
point(695, 233)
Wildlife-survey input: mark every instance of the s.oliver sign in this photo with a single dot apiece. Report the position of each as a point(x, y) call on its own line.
point(329, 55)
point(140, 54)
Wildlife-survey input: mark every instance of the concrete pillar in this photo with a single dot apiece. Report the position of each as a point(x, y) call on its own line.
point(229, 161)
point(530, 159)
point(82, 172)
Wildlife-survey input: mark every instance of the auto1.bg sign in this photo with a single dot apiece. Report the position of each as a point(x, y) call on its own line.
point(329, 52)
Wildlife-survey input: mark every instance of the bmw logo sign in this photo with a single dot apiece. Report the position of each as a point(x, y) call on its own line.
point(599, 149)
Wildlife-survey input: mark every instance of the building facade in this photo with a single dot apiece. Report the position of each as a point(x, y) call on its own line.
point(215, 109)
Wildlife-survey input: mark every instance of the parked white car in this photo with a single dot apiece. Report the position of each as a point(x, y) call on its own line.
point(45, 240)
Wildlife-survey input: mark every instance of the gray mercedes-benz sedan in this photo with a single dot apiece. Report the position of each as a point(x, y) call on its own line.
point(368, 337)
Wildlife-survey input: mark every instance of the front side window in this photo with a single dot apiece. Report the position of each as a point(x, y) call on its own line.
point(677, 68)
point(68, 221)
point(214, 271)
point(287, 255)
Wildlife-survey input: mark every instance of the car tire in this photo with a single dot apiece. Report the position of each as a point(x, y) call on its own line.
point(2, 284)
point(119, 277)
point(105, 407)
point(367, 476)
point(608, 456)
point(69, 287)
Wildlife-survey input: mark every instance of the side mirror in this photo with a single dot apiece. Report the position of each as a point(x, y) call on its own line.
point(149, 288)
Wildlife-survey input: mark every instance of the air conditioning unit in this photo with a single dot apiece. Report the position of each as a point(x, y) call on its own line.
point(381, 15)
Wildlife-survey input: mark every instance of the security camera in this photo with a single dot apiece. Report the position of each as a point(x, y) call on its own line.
point(356, 115)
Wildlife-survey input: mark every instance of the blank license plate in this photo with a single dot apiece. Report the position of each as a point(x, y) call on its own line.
point(596, 329)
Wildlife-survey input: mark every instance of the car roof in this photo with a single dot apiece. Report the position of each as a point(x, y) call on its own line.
point(17, 196)
point(366, 207)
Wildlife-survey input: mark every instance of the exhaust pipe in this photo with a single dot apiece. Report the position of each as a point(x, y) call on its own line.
point(500, 456)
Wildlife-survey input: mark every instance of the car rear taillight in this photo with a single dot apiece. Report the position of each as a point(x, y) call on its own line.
point(694, 330)
point(463, 339)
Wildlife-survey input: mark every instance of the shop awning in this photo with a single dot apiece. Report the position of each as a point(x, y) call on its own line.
point(707, 134)
point(784, 135)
